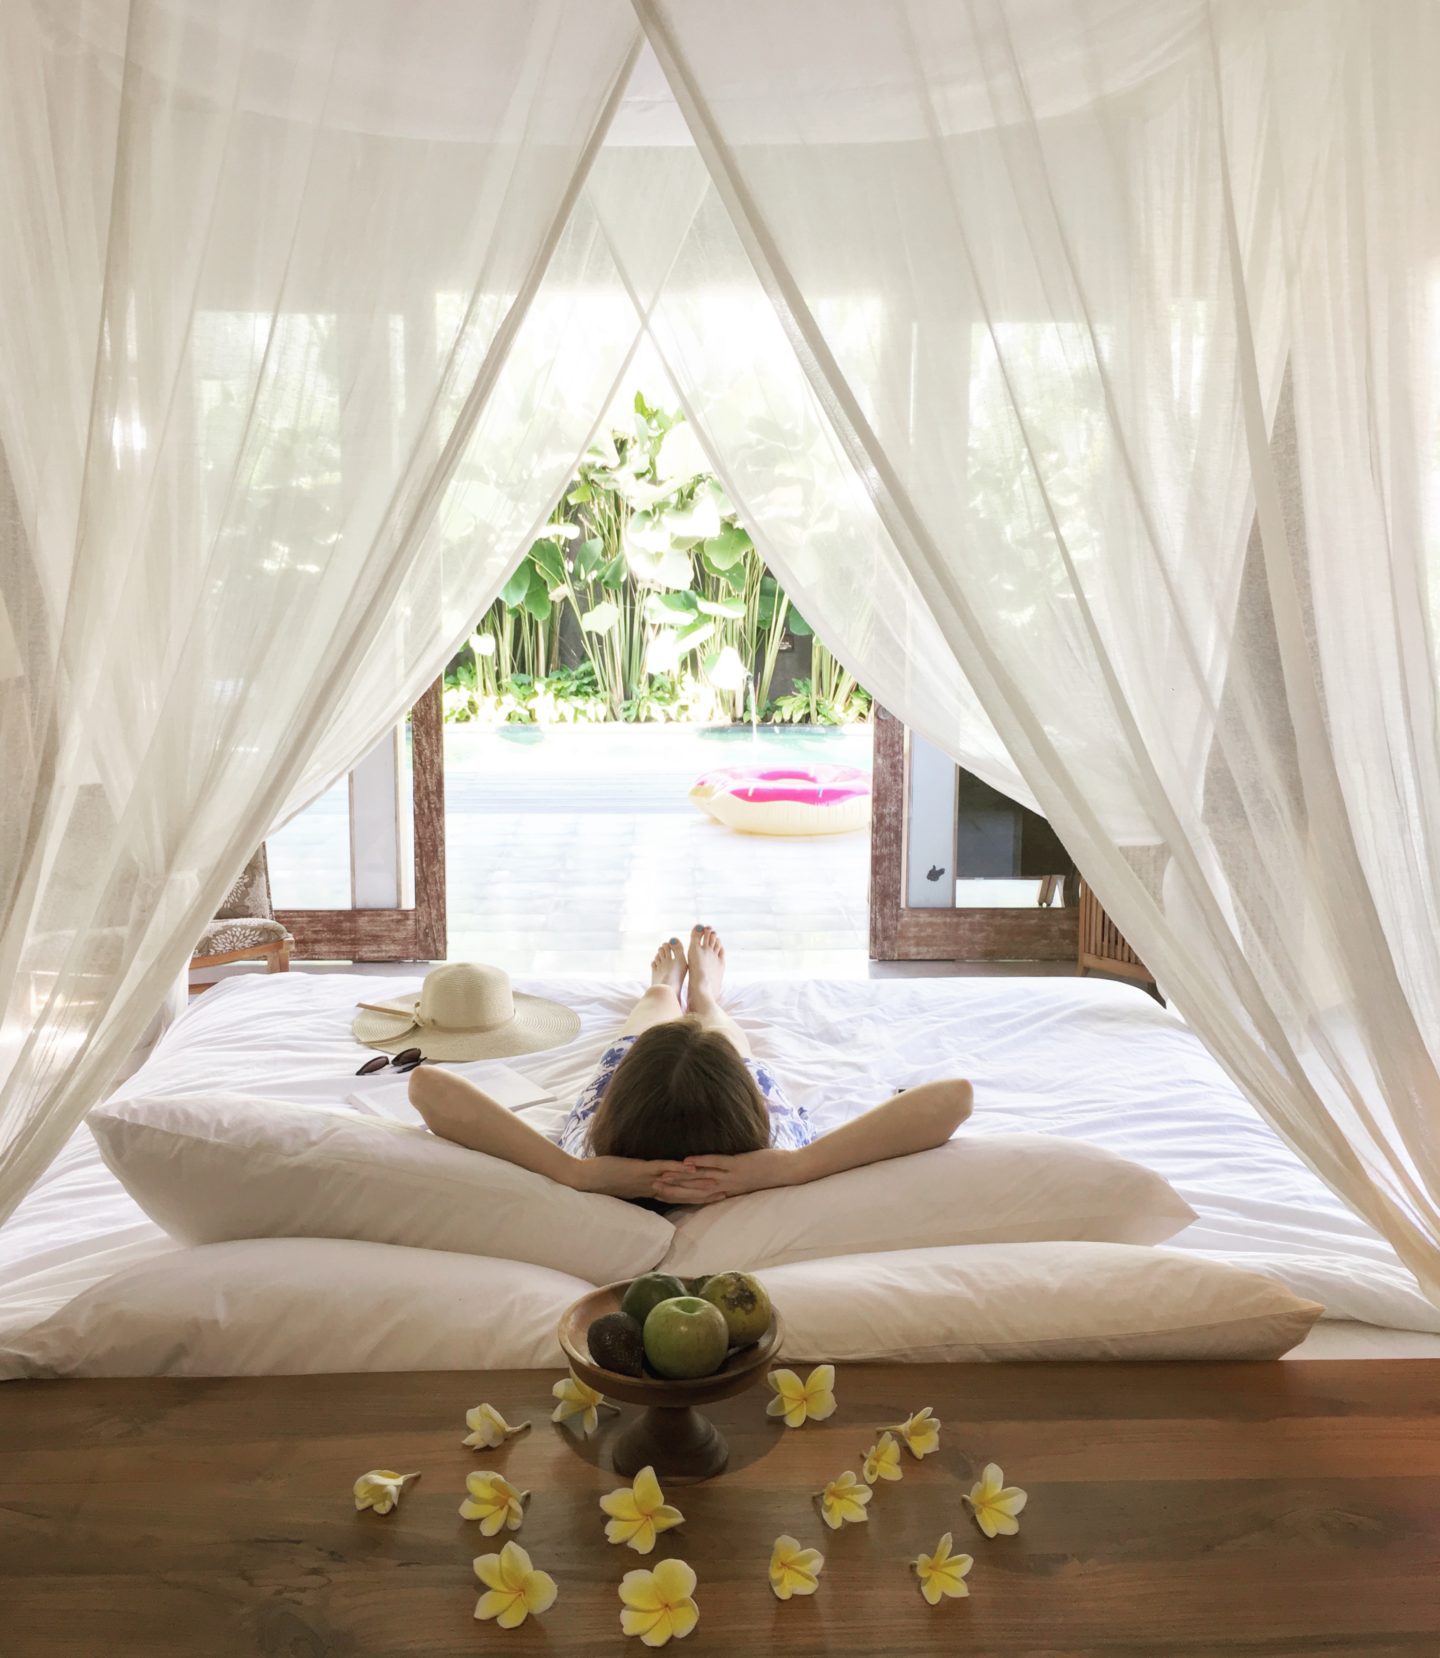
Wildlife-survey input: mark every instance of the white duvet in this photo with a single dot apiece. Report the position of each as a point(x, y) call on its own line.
point(1083, 1058)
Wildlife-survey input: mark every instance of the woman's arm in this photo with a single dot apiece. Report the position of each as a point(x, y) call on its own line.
point(457, 1110)
point(918, 1120)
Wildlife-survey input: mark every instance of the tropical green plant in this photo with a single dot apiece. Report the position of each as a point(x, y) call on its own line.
point(674, 611)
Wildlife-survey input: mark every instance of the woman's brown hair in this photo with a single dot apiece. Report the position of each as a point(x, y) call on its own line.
point(681, 1091)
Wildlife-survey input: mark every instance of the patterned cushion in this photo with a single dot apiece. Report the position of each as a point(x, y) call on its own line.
point(250, 896)
point(248, 933)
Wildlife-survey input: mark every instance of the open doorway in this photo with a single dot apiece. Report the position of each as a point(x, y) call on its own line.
point(640, 646)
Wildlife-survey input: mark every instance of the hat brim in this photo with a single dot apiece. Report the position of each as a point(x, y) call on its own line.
point(538, 1024)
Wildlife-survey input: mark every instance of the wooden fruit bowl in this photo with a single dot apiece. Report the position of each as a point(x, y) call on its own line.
point(672, 1435)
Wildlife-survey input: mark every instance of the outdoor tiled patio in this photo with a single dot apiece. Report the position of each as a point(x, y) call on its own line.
point(577, 849)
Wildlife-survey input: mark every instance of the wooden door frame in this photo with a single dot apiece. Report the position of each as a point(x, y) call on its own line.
point(900, 933)
point(417, 934)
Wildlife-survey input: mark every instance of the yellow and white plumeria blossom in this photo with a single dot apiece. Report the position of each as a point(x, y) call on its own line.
point(799, 1402)
point(920, 1433)
point(578, 1398)
point(996, 1504)
point(843, 1501)
point(943, 1573)
point(380, 1489)
point(493, 1501)
point(793, 1570)
point(659, 1605)
point(882, 1460)
point(514, 1588)
point(488, 1428)
point(638, 1513)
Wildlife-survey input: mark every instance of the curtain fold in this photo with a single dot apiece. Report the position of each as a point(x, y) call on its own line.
point(1126, 320)
point(297, 346)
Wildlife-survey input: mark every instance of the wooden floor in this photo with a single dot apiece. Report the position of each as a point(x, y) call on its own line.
point(1184, 1511)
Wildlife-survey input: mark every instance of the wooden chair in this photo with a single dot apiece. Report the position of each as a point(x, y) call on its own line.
point(245, 929)
point(1103, 948)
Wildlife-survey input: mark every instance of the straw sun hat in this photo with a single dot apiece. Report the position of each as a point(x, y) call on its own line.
point(466, 1010)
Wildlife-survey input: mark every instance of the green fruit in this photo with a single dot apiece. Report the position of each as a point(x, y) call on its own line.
point(616, 1343)
point(648, 1292)
point(696, 1286)
point(743, 1304)
point(686, 1337)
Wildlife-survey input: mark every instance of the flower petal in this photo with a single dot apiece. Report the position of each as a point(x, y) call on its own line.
point(621, 1504)
point(665, 1517)
point(493, 1603)
point(490, 1571)
point(674, 1580)
point(640, 1623)
point(637, 1589)
point(514, 1614)
point(683, 1618)
point(646, 1490)
point(540, 1591)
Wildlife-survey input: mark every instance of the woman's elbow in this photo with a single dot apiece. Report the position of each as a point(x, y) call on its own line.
point(426, 1095)
point(952, 1108)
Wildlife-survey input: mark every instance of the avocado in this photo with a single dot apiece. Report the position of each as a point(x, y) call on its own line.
point(616, 1342)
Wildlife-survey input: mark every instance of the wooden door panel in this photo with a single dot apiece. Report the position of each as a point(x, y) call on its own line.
point(417, 933)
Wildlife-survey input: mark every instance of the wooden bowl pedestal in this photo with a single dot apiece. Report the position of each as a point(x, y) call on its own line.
point(672, 1435)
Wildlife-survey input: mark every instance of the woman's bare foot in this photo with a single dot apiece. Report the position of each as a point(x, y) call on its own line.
point(668, 969)
point(707, 965)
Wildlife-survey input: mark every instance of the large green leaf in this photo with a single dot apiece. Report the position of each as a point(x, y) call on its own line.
point(537, 597)
point(589, 556)
point(550, 562)
point(797, 623)
point(727, 548)
point(601, 619)
point(670, 609)
point(733, 608)
point(512, 594)
point(696, 633)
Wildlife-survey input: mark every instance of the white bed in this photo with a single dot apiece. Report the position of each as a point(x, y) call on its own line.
point(1087, 1059)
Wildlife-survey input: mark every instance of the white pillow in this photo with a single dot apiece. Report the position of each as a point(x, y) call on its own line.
point(993, 1188)
point(1034, 1301)
point(303, 1306)
point(217, 1166)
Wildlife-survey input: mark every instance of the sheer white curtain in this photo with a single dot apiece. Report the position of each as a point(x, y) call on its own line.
point(298, 341)
point(1128, 320)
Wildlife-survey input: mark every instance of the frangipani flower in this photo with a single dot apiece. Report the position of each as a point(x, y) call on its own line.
point(920, 1432)
point(639, 1513)
point(793, 1570)
point(488, 1428)
point(943, 1573)
point(843, 1500)
point(380, 1489)
point(882, 1460)
point(995, 1503)
point(659, 1604)
point(515, 1588)
point(577, 1398)
point(799, 1402)
point(494, 1502)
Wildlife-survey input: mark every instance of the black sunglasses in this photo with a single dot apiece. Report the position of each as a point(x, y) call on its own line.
point(406, 1060)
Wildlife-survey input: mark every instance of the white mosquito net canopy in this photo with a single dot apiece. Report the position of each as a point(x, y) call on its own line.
point(1076, 364)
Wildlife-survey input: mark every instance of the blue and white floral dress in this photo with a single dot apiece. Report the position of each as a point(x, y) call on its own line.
point(790, 1127)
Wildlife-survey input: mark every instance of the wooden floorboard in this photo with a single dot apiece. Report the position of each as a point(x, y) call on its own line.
point(1177, 1511)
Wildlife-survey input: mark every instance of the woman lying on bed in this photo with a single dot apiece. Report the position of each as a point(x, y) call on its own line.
point(680, 1112)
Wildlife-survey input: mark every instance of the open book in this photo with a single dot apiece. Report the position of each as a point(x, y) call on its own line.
point(389, 1094)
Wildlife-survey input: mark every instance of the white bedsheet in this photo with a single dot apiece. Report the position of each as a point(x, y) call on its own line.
point(1084, 1058)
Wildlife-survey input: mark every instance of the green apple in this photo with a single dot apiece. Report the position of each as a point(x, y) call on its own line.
point(686, 1337)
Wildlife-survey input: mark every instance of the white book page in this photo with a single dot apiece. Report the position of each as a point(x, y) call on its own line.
point(388, 1095)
